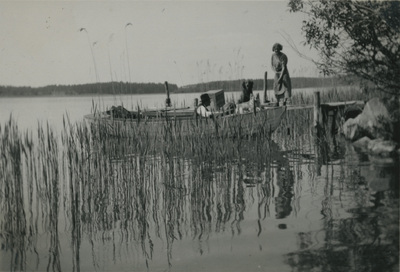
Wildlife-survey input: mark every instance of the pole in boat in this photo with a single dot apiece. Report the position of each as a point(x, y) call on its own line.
point(168, 100)
point(265, 87)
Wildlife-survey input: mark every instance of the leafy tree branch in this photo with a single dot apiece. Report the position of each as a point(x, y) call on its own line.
point(355, 37)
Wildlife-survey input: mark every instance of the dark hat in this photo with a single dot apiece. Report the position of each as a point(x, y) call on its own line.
point(277, 46)
point(204, 97)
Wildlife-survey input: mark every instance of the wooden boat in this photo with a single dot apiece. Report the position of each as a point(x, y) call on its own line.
point(184, 122)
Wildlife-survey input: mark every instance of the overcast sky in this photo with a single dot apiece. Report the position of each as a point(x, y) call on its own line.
point(182, 42)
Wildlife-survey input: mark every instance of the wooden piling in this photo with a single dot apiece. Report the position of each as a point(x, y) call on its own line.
point(195, 105)
point(265, 87)
point(168, 100)
point(317, 115)
point(334, 117)
point(317, 109)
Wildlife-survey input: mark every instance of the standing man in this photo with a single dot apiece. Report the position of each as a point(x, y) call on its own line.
point(282, 82)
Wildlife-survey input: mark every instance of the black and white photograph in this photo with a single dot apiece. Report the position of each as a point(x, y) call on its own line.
point(190, 135)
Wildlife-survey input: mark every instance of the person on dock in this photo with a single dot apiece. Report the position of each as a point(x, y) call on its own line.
point(282, 82)
point(202, 109)
point(247, 91)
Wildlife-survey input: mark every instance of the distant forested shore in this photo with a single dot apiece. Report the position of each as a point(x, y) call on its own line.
point(118, 88)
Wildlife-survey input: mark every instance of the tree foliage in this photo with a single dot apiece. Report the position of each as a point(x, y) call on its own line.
point(356, 37)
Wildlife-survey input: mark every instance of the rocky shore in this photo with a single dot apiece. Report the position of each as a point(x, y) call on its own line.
point(375, 130)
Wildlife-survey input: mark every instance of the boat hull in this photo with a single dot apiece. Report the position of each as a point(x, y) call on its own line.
point(186, 123)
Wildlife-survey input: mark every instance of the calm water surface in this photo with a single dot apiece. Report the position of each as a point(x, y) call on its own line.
point(291, 204)
point(29, 111)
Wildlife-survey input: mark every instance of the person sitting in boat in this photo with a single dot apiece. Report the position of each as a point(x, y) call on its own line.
point(247, 91)
point(202, 109)
point(121, 112)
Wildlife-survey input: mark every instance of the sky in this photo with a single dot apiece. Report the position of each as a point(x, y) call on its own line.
point(182, 42)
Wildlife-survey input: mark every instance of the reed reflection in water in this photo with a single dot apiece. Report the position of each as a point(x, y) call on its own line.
point(89, 201)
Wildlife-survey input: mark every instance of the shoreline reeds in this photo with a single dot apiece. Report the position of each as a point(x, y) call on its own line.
point(130, 191)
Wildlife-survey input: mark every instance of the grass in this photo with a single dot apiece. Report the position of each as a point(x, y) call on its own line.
point(334, 94)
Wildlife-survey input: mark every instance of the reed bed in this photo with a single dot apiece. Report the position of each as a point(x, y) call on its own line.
point(168, 138)
point(133, 187)
point(334, 94)
point(29, 188)
point(14, 224)
point(121, 181)
point(139, 188)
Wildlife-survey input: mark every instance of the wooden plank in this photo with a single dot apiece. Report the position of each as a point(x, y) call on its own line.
point(343, 104)
point(217, 99)
point(299, 107)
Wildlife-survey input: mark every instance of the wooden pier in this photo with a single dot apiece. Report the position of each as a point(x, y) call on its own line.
point(323, 113)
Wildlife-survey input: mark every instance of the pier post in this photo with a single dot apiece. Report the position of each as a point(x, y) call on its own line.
point(168, 100)
point(317, 109)
point(318, 140)
point(317, 114)
point(265, 87)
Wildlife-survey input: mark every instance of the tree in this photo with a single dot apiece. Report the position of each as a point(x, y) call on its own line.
point(355, 37)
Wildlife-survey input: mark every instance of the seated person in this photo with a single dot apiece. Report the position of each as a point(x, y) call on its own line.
point(202, 109)
point(121, 112)
point(247, 91)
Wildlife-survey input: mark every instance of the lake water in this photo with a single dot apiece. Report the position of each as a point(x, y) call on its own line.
point(28, 111)
point(291, 204)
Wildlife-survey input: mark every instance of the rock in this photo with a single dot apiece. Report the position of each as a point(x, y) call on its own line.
point(378, 160)
point(362, 143)
point(378, 183)
point(352, 112)
point(352, 130)
point(381, 174)
point(375, 119)
point(374, 122)
point(382, 147)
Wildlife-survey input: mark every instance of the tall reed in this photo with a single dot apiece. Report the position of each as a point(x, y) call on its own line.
point(141, 188)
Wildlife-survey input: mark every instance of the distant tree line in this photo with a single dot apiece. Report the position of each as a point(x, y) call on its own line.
point(108, 88)
point(297, 83)
point(116, 88)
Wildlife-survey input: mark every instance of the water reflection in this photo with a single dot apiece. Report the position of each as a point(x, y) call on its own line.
point(356, 235)
point(79, 204)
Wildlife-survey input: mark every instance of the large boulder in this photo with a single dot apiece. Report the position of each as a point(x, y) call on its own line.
point(375, 119)
point(382, 147)
point(378, 176)
point(362, 143)
point(374, 122)
point(377, 147)
point(352, 130)
point(352, 111)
